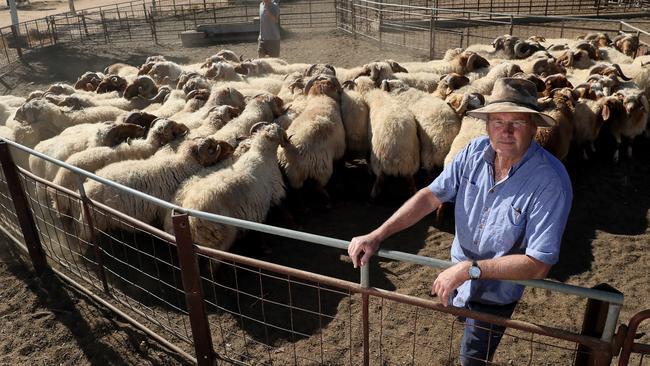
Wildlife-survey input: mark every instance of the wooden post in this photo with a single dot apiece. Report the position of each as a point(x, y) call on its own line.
point(101, 15)
point(193, 291)
point(23, 212)
point(16, 34)
point(593, 324)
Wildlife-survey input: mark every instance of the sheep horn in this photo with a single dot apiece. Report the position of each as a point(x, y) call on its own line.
point(256, 127)
point(385, 86)
point(596, 77)
point(349, 84)
point(191, 94)
point(523, 50)
point(121, 132)
point(462, 107)
point(328, 66)
point(309, 70)
point(620, 72)
point(309, 84)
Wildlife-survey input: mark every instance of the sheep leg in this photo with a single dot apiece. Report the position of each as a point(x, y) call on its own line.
point(592, 146)
point(629, 147)
point(376, 188)
point(618, 146)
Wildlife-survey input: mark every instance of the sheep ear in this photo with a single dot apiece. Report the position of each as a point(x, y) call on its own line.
point(605, 112)
point(226, 150)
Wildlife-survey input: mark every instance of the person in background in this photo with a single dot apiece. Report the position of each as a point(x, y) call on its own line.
point(512, 203)
point(269, 38)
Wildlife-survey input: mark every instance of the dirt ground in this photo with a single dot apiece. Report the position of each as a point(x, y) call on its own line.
point(40, 9)
point(606, 238)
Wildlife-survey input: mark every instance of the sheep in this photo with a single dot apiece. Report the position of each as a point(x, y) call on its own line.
point(354, 115)
point(158, 176)
point(123, 70)
point(485, 84)
point(92, 159)
point(438, 122)
point(216, 118)
point(553, 82)
point(143, 86)
point(223, 71)
point(393, 134)
point(89, 81)
point(264, 107)
point(637, 107)
point(470, 128)
point(589, 117)
point(78, 138)
point(626, 43)
point(8, 106)
point(46, 120)
point(377, 71)
point(245, 190)
point(598, 39)
point(542, 66)
point(449, 83)
point(458, 61)
point(560, 106)
point(316, 137)
point(81, 101)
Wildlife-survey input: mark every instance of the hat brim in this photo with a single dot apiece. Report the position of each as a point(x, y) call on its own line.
point(540, 119)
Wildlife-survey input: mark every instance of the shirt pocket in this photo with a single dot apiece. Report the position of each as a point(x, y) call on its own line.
point(515, 216)
point(470, 194)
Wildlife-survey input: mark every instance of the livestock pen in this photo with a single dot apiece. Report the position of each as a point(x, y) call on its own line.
point(211, 305)
point(252, 309)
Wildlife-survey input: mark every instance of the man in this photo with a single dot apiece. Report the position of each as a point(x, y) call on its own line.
point(512, 203)
point(269, 38)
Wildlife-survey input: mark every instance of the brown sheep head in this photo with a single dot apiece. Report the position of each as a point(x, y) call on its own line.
point(450, 82)
point(546, 66)
point(89, 81)
point(145, 68)
point(555, 81)
point(121, 132)
point(227, 96)
point(633, 102)
point(627, 44)
point(112, 83)
point(317, 69)
point(221, 114)
point(324, 87)
point(613, 70)
point(229, 56)
point(470, 61)
point(61, 88)
point(275, 103)
point(396, 67)
point(164, 130)
point(140, 118)
point(184, 78)
point(199, 95)
point(272, 132)
point(208, 151)
point(142, 86)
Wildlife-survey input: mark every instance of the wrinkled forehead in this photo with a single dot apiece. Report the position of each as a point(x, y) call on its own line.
point(509, 116)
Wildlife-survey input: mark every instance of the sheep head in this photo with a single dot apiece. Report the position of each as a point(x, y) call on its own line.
point(588, 47)
point(450, 82)
point(73, 102)
point(227, 96)
point(272, 132)
point(37, 111)
point(395, 86)
point(89, 81)
point(606, 83)
point(546, 66)
point(140, 118)
point(164, 130)
point(634, 102)
point(184, 78)
point(61, 88)
point(275, 103)
point(316, 69)
point(228, 55)
point(470, 61)
point(597, 39)
point(564, 99)
point(208, 151)
point(555, 81)
point(396, 67)
point(537, 39)
point(612, 109)
point(198, 94)
point(247, 68)
point(523, 49)
point(142, 86)
point(120, 132)
point(627, 44)
point(112, 83)
point(613, 70)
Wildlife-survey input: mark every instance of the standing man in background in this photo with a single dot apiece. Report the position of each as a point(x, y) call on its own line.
point(269, 38)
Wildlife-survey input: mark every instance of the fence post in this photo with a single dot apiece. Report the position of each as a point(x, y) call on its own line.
point(85, 206)
point(432, 35)
point(101, 15)
point(596, 324)
point(14, 31)
point(25, 218)
point(512, 25)
point(4, 47)
point(365, 313)
point(52, 26)
point(354, 21)
point(83, 21)
point(193, 291)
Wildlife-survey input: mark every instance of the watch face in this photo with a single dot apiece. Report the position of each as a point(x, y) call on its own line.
point(474, 272)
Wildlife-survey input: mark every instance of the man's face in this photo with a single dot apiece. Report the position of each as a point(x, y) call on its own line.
point(510, 133)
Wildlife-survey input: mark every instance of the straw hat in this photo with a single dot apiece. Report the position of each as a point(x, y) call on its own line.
point(514, 95)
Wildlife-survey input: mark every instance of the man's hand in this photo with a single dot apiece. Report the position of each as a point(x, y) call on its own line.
point(449, 280)
point(361, 248)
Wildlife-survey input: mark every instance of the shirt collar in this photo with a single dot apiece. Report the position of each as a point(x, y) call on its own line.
point(489, 154)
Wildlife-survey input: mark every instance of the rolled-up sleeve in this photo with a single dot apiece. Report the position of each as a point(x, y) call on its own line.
point(546, 222)
point(445, 186)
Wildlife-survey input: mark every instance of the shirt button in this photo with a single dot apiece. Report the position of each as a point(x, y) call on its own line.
point(480, 226)
point(475, 242)
point(485, 209)
point(491, 190)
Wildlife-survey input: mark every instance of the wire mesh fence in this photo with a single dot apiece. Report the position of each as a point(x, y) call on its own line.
point(435, 30)
point(256, 312)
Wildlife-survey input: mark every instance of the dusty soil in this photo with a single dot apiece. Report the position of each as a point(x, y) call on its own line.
point(40, 9)
point(606, 241)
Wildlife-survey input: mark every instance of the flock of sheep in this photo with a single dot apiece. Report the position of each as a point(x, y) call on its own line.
point(230, 136)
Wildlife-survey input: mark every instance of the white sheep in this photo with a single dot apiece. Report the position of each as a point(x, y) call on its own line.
point(245, 190)
point(316, 137)
point(470, 128)
point(158, 176)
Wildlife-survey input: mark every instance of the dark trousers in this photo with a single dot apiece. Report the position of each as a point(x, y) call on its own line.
point(480, 339)
point(268, 48)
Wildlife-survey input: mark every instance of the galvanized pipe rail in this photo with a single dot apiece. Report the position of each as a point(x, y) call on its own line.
point(615, 300)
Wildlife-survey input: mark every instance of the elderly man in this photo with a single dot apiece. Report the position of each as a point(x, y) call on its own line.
point(269, 38)
point(512, 203)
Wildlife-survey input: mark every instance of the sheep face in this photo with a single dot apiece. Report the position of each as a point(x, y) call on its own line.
point(633, 102)
point(112, 83)
point(324, 87)
point(61, 88)
point(471, 61)
point(164, 130)
point(270, 131)
point(208, 151)
point(276, 104)
point(35, 111)
point(394, 86)
point(628, 45)
point(224, 113)
point(555, 81)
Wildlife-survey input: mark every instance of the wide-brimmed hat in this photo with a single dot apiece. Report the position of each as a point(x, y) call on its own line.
point(514, 95)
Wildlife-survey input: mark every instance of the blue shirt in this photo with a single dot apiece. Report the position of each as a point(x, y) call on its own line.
point(269, 30)
point(525, 213)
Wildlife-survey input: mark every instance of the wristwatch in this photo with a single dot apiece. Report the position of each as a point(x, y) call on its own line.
point(474, 271)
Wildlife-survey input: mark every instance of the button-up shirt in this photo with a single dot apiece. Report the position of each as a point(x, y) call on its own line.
point(524, 213)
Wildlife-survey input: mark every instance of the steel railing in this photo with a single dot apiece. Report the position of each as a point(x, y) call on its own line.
point(112, 256)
